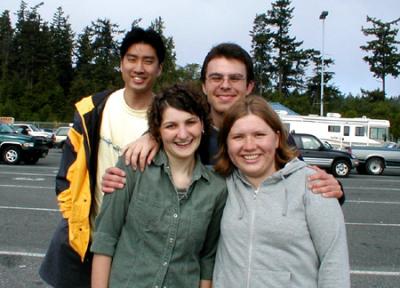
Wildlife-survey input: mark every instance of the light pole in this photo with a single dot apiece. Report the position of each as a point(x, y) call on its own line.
point(322, 17)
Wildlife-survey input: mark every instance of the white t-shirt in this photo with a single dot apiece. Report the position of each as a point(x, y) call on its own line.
point(120, 125)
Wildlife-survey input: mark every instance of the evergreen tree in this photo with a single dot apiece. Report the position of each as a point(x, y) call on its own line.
point(261, 45)
point(96, 60)
point(289, 60)
point(278, 56)
point(169, 75)
point(190, 72)
point(82, 83)
point(106, 54)
point(385, 58)
point(6, 34)
point(313, 86)
point(33, 72)
point(62, 42)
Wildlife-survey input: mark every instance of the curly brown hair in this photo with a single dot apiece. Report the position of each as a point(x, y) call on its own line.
point(183, 97)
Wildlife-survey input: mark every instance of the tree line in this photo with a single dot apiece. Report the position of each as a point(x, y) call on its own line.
point(45, 67)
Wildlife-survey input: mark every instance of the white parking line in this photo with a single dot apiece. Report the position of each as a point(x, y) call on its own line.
point(25, 254)
point(28, 187)
point(29, 208)
point(370, 188)
point(354, 272)
point(373, 202)
point(378, 273)
point(28, 174)
point(374, 224)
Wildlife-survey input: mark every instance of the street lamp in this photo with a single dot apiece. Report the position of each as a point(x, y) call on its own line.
point(322, 17)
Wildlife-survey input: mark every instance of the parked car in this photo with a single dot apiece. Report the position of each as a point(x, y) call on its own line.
point(61, 135)
point(374, 160)
point(16, 147)
point(32, 130)
point(314, 152)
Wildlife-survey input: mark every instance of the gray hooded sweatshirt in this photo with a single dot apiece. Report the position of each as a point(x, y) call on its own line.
point(281, 235)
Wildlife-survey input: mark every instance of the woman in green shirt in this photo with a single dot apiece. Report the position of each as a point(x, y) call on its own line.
point(162, 228)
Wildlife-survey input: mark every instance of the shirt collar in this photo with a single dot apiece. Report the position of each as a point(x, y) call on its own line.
point(200, 171)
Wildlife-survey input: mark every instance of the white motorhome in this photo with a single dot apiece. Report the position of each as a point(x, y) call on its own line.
point(339, 132)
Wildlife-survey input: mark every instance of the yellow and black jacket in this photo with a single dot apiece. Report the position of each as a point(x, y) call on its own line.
point(76, 178)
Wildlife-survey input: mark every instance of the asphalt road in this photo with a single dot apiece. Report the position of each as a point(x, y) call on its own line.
point(29, 215)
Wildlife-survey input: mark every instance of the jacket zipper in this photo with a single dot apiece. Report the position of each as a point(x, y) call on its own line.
point(252, 219)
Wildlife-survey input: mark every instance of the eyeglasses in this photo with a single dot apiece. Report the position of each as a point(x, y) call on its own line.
point(218, 79)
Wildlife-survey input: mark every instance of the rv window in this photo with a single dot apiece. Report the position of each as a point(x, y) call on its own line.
point(377, 133)
point(360, 131)
point(346, 131)
point(334, 128)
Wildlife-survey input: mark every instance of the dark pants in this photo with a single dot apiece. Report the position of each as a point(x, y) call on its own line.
point(62, 266)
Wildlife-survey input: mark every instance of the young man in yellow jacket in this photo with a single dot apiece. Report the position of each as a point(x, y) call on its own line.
point(103, 123)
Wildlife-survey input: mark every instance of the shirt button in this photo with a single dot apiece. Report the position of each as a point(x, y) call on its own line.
point(156, 286)
point(171, 240)
point(165, 263)
point(175, 215)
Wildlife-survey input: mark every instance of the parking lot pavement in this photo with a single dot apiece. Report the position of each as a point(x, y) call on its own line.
point(372, 215)
point(29, 215)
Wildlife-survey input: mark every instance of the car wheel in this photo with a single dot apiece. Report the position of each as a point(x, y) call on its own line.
point(374, 166)
point(11, 155)
point(341, 168)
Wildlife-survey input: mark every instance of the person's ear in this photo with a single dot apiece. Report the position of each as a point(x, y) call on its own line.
point(250, 87)
point(159, 70)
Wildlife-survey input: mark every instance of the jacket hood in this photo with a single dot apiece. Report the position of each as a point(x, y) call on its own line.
point(237, 180)
point(289, 168)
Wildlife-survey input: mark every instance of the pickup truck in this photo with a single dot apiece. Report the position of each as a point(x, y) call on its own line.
point(15, 147)
point(374, 160)
point(32, 130)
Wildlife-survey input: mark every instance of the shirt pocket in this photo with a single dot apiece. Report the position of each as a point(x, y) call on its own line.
point(146, 217)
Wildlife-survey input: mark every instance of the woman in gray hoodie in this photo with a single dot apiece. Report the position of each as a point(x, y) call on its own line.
point(274, 232)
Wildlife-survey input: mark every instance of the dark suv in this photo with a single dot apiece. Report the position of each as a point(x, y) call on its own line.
point(314, 152)
point(15, 147)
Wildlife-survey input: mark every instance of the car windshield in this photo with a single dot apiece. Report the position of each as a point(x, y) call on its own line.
point(34, 128)
point(62, 131)
point(6, 129)
point(310, 143)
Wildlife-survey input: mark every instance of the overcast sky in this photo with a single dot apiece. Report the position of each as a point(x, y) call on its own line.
point(197, 25)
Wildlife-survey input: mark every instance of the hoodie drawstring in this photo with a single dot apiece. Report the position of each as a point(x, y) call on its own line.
point(285, 201)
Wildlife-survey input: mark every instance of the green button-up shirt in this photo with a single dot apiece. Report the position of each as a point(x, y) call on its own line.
point(155, 239)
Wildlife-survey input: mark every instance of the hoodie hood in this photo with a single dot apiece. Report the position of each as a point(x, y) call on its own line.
point(238, 184)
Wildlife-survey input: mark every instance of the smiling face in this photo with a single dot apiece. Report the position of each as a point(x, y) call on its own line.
point(225, 83)
point(252, 146)
point(180, 133)
point(140, 68)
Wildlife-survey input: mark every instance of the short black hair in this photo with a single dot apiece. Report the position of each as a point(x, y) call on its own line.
point(148, 36)
point(182, 97)
point(229, 51)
